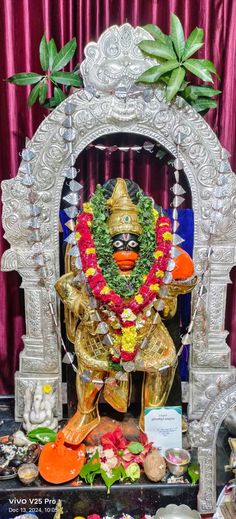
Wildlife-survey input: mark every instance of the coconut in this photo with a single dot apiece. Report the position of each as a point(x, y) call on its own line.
point(154, 466)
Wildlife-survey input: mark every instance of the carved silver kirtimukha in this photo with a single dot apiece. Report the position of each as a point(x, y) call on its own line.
point(112, 103)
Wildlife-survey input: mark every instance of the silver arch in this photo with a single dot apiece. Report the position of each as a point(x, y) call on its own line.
point(112, 65)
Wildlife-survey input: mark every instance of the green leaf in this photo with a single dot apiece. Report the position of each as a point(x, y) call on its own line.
point(43, 53)
point(206, 91)
point(177, 35)
point(64, 55)
point(183, 86)
point(25, 78)
point(91, 476)
point(42, 435)
point(135, 447)
point(109, 481)
point(194, 472)
point(193, 43)
point(43, 92)
point(158, 34)
point(156, 49)
point(165, 78)
point(175, 83)
point(203, 103)
point(152, 74)
point(51, 103)
point(34, 94)
point(93, 465)
point(66, 78)
point(198, 69)
point(59, 95)
point(189, 94)
point(52, 52)
point(209, 65)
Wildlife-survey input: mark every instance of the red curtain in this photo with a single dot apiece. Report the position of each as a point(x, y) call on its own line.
point(22, 24)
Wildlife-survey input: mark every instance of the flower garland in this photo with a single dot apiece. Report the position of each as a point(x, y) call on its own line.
point(125, 311)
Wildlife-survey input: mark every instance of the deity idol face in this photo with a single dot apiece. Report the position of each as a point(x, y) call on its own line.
point(125, 251)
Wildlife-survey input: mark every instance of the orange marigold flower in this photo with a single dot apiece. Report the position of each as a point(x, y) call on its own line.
point(90, 250)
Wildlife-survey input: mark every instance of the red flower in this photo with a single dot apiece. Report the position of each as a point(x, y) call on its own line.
point(127, 356)
point(114, 440)
point(94, 516)
point(128, 457)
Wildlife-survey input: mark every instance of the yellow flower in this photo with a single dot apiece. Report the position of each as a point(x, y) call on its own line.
point(167, 236)
point(160, 274)
point(77, 235)
point(154, 288)
point(145, 277)
point(158, 254)
point(155, 213)
point(47, 388)
point(129, 338)
point(117, 341)
point(139, 298)
point(105, 290)
point(90, 250)
point(89, 224)
point(87, 207)
point(90, 272)
point(163, 224)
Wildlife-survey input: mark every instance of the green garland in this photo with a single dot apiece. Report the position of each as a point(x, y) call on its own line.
point(125, 286)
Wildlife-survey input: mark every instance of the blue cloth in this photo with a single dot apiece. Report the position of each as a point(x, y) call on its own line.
point(186, 231)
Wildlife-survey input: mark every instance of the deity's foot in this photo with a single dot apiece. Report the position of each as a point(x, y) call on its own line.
point(79, 426)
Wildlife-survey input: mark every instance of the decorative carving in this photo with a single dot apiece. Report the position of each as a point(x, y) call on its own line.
point(115, 61)
point(203, 435)
point(206, 385)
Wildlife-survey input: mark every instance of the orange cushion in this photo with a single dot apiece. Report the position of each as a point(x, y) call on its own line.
point(184, 267)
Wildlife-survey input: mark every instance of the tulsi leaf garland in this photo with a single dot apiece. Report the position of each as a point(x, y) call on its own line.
point(125, 286)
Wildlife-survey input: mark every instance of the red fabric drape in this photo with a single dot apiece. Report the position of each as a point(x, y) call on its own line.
point(22, 24)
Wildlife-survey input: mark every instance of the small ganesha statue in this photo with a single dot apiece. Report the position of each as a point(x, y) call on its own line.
point(39, 403)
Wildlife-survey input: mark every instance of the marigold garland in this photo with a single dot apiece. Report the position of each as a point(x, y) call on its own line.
point(126, 311)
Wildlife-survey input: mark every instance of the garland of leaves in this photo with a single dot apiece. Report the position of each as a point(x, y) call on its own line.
point(124, 286)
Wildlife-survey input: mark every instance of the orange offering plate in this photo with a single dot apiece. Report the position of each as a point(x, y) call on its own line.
point(59, 463)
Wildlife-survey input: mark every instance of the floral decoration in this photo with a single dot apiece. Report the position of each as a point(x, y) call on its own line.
point(125, 314)
point(117, 459)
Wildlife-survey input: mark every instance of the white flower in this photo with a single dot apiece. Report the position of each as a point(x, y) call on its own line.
point(108, 453)
point(112, 462)
point(128, 315)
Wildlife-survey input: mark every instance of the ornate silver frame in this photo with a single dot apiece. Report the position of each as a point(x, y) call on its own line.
point(110, 68)
point(203, 435)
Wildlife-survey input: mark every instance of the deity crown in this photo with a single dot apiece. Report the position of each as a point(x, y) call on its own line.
point(123, 217)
